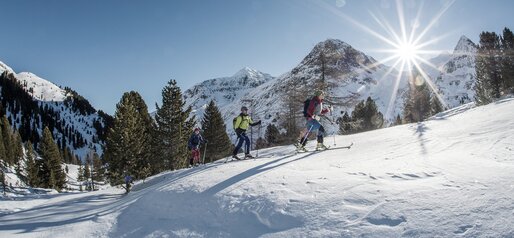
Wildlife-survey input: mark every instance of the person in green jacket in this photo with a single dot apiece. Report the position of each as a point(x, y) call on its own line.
point(241, 124)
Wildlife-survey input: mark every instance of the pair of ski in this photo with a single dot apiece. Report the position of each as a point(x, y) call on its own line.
point(231, 159)
point(328, 148)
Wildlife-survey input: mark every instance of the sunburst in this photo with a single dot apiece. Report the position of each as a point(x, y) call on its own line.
point(407, 48)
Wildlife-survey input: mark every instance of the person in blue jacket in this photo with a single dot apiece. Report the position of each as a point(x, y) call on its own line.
point(194, 146)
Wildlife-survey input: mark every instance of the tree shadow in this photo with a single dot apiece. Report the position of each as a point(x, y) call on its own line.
point(89, 207)
point(420, 130)
point(203, 214)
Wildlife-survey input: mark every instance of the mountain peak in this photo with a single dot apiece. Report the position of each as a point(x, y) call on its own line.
point(246, 71)
point(4, 67)
point(332, 44)
point(465, 45)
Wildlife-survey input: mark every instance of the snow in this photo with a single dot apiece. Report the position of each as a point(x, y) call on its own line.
point(42, 89)
point(451, 176)
point(4, 67)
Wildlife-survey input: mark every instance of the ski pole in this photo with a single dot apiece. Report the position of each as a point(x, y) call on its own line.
point(307, 134)
point(259, 133)
point(204, 150)
point(334, 135)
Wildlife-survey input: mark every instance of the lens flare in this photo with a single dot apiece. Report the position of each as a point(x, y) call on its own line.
point(406, 46)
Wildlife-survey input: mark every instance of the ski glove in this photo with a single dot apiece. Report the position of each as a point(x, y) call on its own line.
point(316, 117)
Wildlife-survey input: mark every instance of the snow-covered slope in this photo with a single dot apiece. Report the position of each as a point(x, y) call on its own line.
point(448, 177)
point(41, 89)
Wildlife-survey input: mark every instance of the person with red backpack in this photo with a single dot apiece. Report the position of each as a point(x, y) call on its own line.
point(241, 124)
point(313, 109)
point(194, 146)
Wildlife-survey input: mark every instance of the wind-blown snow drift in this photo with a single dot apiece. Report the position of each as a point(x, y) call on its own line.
point(450, 176)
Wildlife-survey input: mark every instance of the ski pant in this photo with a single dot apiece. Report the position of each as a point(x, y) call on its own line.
point(314, 125)
point(242, 138)
point(195, 156)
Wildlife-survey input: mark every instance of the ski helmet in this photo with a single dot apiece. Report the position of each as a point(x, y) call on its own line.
point(244, 108)
point(196, 129)
point(319, 93)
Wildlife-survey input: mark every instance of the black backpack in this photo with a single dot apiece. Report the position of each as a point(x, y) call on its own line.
point(306, 104)
point(234, 122)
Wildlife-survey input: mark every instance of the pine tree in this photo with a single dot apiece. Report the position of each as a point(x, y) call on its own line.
point(7, 138)
point(174, 125)
point(214, 131)
point(261, 143)
point(87, 174)
point(3, 152)
point(417, 106)
point(31, 166)
point(17, 153)
point(98, 169)
point(80, 176)
point(398, 120)
point(272, 135)
point(374, 119)
point(365, 117)
point(51, 156)
point(507, 61)
point(435, 106)
point(128, 144)
point(344, 124)
point(487, 67)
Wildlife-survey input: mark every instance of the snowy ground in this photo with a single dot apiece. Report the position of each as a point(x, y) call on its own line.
point(452, 176)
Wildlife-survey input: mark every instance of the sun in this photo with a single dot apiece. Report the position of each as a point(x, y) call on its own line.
point(408, 52)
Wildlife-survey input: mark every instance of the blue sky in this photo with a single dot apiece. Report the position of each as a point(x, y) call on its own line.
point(104, 48)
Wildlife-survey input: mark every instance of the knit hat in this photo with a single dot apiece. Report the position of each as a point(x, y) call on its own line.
point(319, 93)
point(244, 108)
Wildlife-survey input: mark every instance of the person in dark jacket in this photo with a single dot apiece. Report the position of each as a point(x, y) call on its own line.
point(194, 146)
point(241, 124)
point(314, 112)
point(128, 182)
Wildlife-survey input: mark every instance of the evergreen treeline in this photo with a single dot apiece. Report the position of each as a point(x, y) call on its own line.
point(365, 117)
point(139, 146)
point(45, 172)
point(494, 66)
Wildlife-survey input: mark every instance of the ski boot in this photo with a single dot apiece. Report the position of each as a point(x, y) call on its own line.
point(321, 146)
point(249, 156)
point(301, 149)
point(235, 157)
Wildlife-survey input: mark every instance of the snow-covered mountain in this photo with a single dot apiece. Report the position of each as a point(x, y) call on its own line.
point(446, 177)
point(227, 92)
point(31, 103)
point(456, 78)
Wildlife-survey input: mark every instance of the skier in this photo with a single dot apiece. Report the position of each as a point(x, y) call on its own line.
point(128, 181)
point(313, 109)
point(241, 124)
point(194, 146)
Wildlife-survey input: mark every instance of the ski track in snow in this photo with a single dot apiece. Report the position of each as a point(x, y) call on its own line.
point(451, 176)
